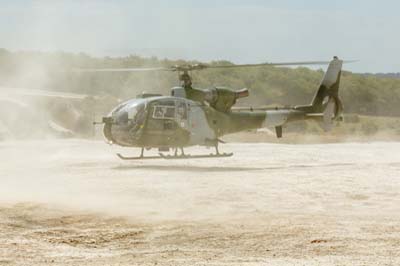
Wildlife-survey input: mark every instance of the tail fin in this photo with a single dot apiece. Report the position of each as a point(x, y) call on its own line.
point(328, 91)
point(326, 102)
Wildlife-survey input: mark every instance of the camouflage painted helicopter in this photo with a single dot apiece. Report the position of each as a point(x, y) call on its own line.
point(193, 116)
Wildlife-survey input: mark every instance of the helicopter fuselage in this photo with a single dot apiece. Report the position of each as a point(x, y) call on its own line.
point(171, 122)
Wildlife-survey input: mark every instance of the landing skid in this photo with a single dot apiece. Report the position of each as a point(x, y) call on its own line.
point(176, 156)
point(172, 157)
point(188, 156)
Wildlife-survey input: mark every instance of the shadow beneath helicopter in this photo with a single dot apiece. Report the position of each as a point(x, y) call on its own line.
point(195, 168)
point(187, 168)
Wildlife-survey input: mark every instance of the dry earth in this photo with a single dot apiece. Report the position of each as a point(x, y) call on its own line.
point(73, 202)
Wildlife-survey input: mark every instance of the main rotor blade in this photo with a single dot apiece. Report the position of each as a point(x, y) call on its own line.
point(194, 67)
point(123, 69)
point(301, 63)
point(201, 66)
point(41, 93)
point(272, 64)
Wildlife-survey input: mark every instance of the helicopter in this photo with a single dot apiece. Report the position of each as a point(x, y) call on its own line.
point(192, 116)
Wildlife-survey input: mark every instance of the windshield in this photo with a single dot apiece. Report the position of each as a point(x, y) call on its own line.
point(128, 121)
point(137, 114)
point(130, 112)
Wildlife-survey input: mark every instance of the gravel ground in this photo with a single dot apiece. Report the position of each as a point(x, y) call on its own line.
point(73, 202)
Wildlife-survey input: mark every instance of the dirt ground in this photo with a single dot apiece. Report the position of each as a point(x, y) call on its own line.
point(73, 202)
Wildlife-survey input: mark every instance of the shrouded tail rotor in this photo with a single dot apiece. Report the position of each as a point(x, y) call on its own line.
point(333, 109)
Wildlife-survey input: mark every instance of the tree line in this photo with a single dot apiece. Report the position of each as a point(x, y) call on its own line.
point(361, 94)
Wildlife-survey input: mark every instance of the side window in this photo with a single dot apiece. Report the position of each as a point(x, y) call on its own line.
point(163, 112)
point(173, 110)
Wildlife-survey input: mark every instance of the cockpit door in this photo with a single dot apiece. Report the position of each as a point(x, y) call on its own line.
point(163, 116)
point(168, 123)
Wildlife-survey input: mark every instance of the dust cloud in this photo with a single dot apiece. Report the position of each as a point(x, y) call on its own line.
point(23, 114)
point(87, 174)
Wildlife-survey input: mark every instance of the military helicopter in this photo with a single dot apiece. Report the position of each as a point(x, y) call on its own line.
point(192, 116)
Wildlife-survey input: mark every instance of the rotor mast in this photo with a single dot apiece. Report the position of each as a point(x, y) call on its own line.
point(185, 79)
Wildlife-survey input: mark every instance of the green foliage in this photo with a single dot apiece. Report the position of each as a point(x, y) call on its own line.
point(362, 94)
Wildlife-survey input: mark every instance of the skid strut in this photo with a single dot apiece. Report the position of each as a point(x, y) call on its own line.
point(188, 156)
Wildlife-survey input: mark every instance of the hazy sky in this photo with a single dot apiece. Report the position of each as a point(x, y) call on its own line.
point(239, 31)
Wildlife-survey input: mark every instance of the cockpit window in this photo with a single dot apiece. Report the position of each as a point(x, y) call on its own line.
point(122, 118)
point(139, 115)
point(131, 112)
